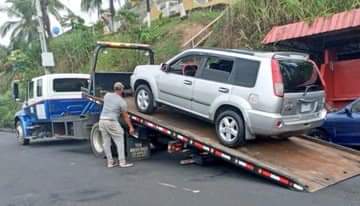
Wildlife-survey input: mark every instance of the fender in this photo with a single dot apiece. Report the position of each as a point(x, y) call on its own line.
point(148, 75)
point(237, 102)
point(25, 121)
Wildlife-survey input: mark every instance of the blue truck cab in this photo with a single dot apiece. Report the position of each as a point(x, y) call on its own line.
point(54, 107)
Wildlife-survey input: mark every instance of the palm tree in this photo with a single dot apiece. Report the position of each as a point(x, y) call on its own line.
point(52, 7)
point(87, 5)
point(23, 23)
point(22, 26)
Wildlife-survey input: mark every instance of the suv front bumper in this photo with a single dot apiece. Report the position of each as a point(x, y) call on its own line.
point(270, 124)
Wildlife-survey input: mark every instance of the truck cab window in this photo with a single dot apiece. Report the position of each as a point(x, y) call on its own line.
point(31, 90)
point(39, 88)
point(69, 84)
point(187, 65)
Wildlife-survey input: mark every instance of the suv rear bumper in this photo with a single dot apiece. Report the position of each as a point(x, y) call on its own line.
point(270, 124)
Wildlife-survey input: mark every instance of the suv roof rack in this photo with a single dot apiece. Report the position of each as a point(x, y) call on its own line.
point(238, 51)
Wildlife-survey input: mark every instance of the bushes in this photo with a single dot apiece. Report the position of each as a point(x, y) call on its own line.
point(73, 50)
point(8, 108)
point(250, 20)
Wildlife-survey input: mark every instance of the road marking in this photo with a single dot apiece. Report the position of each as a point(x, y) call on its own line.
point(167, 185)
point(190, 190)
point(175, 187)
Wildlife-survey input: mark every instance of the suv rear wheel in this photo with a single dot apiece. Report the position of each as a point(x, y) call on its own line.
point(230, 128)
point(144, 99)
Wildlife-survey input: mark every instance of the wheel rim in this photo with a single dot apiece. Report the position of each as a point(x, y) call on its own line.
point(228, 129)
point(19, 133)
point(98, 142)
point(143, 99)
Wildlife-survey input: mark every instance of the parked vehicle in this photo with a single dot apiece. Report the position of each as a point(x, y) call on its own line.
point(282, 162)
point(52, 107)
point(244, 93)
point(341, 127)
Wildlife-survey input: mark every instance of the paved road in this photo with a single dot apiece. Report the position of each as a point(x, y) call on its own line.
point(66, 173)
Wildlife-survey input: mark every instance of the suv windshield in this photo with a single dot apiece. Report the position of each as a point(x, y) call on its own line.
point(299, 75)
point(69, 84)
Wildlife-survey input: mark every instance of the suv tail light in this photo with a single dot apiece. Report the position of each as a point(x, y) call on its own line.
point(277, 78)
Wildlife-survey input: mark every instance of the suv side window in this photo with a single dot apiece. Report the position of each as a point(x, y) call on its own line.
point(39, 88)
point(187, 65)
point(246, 72)
point(217, 69)
point(31, 90)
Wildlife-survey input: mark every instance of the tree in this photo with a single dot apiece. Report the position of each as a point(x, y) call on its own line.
point(87, 5)
point(23, 23)
point(52, 7)
point(22, 26)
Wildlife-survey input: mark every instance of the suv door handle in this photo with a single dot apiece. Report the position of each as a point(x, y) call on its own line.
point(223, 90)
point(187, 82)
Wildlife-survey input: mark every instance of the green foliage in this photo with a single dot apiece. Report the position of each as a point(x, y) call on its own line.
point(249, 20)
point(73, 50)
point(17, 65)
point(128, 19)
point(23, 25)
point(8, 109)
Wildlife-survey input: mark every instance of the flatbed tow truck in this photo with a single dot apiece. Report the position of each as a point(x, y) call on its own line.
point(300, 163)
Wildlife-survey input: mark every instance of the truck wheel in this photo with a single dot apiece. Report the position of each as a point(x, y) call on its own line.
point(96, 141)
point(230, 129)
point(144, 99)
point(20, 134)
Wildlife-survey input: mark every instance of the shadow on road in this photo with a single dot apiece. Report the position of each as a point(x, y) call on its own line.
point(57, 142)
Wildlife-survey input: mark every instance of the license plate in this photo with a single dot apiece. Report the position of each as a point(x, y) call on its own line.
point(305, 108)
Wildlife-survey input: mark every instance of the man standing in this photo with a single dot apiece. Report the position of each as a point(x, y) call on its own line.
point(114, 106)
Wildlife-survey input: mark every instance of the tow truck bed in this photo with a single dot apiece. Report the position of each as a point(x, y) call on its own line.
point(300, 163)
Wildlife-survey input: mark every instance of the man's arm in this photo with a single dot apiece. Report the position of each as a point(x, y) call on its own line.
point(125, 116)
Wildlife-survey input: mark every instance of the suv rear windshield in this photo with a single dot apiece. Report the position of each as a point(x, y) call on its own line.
point(69, 84)
point(299, 75)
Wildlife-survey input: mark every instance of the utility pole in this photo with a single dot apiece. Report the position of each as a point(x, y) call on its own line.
point(47, 58)
point(148, 14)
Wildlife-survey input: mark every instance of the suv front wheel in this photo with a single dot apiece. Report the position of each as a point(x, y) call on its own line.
point(144, 99)
point(230, 128)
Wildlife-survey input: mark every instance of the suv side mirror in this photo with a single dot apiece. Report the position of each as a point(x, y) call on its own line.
point(348, 111)
point(16, 90)
point(164, 67)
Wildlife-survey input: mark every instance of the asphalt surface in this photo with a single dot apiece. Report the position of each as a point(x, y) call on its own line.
point(64, 172)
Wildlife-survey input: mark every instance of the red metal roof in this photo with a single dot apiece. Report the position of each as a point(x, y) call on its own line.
point(336, 22)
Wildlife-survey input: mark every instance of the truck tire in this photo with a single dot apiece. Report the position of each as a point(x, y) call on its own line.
point(96, 141)
point(144, 99)
point(20, 134)
point(230, 128)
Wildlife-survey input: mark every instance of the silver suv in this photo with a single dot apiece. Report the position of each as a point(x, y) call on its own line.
point(244, 93)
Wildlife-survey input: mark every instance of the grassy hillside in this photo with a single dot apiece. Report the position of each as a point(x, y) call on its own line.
point(73, 50)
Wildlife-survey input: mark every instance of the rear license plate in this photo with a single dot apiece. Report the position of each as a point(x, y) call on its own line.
point(305, 108)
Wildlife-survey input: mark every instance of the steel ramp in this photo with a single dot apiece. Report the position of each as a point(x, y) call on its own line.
point(300, 163)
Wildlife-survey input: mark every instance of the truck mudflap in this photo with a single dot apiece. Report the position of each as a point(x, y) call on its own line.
point(300, 163)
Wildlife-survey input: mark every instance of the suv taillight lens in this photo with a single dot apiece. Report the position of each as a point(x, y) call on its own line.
point(277, 78)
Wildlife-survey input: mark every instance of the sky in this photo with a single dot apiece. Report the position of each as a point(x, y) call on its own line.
point(74, 5)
